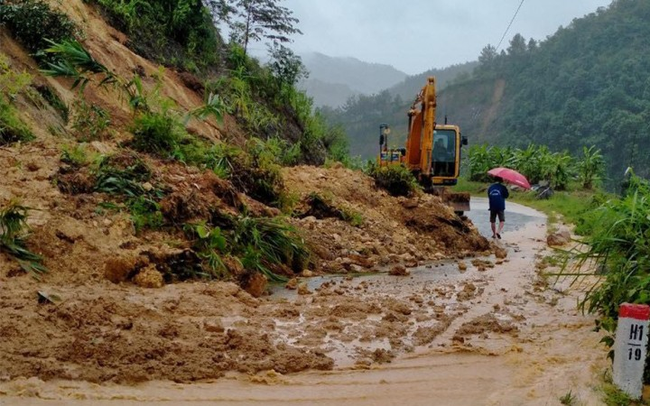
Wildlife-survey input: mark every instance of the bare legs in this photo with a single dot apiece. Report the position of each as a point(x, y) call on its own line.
point(496, 234)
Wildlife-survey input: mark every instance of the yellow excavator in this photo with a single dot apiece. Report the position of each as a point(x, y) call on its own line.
point(432, 152)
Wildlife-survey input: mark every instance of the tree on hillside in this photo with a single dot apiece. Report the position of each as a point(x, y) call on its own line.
point(255, 20)
point(517, 45)
point(488, 54)
point(286, 65)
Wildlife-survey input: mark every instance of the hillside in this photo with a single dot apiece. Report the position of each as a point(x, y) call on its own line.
point(408, 88)
point(332, 80)
point(585, 85)
point(151, 195)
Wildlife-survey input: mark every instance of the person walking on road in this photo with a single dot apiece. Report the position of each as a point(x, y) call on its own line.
point(497, 193)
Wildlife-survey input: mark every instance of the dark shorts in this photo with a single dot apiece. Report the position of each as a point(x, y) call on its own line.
point(495, 213)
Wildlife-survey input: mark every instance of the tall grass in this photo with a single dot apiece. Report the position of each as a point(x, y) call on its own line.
point(265, 242)
point(260, 244)
point(618, 253)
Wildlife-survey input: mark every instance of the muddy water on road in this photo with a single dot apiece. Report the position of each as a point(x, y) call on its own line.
point(515, 342)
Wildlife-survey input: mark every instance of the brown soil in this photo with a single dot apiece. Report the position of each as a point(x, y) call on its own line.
point(116, 317)
point(382, 339)
point(393, 230)
point(118, 321)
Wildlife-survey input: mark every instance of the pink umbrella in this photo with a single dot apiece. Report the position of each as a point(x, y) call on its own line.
point(510, 176)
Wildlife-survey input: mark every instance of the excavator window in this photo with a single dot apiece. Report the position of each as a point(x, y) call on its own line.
point(444, 153)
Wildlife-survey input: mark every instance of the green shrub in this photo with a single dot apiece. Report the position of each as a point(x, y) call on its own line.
point(13, 225)
point(11, 128)
point(174, 32)
point(397, 180)
point(265, 242)
point(259, 244)
point(158, 133)
point(210, 243)
point(74, 156)
point(145, 213)
point(11, 81)
point(124, 176)
point(33, 23)
point(274, 151)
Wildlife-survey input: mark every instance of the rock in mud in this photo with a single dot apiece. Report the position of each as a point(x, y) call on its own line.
point(399, 270)
point(500, 253)
point(233, 265)
point(292, 284)
point(558, 239)
point(213, 325)
point(119, 268)
point(149, 277)
point(409, 203)
point(303, 289)
point(256, 285)
point(462, 266)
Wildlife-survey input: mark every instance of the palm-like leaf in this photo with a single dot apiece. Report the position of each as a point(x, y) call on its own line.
point(75, 62)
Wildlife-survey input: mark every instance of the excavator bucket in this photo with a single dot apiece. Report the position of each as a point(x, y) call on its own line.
point(459, 201)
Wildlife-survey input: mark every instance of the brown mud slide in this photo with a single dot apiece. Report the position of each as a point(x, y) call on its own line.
point(498, 336)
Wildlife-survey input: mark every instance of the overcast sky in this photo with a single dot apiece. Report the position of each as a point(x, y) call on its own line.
point(416, 35)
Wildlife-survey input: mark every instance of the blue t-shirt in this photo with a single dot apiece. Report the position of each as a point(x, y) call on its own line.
point(497, 193)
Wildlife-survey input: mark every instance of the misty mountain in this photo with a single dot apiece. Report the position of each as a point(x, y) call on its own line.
point(411, 85)
point(332, 80)
point(326, 94)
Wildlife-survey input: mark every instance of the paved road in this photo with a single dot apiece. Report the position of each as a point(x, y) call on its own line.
point(517, 216)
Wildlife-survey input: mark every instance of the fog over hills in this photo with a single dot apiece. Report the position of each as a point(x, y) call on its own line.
point(332, 80)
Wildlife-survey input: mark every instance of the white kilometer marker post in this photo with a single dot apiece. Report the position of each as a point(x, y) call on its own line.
point(630, 348)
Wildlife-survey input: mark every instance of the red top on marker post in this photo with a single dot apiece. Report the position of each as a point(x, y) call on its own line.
point(634, 311)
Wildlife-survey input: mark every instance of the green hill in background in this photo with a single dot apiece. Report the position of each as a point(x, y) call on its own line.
point(588, 84)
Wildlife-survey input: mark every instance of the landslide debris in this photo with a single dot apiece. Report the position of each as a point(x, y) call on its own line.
point(386, 230)
point(126, 234)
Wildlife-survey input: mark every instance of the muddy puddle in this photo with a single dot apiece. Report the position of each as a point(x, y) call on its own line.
point(440, 336)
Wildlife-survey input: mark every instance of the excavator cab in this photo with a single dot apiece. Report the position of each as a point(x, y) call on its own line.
point(445, 156)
